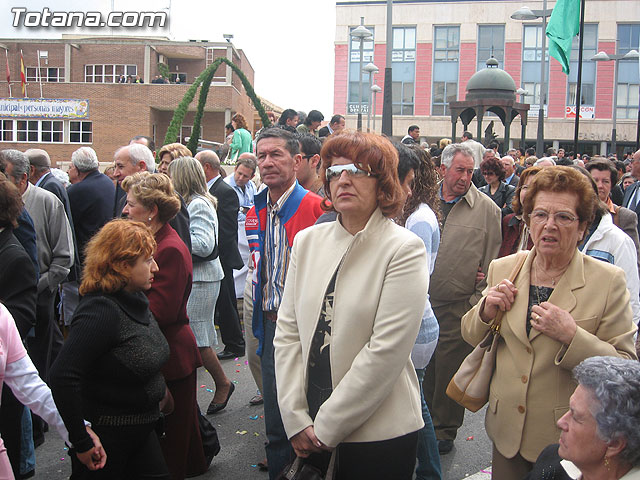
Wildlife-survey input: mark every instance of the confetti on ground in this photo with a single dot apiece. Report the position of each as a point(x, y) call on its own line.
point(255, 417)
point(209, 390)
point(237, 371)
point(65, 448)
point(256, 434)
point(469, 438)
point(246, 362)
point(235, 381)
point(261, 416)
point(236, 359)
point(254, 466)
point(203, 386)
point(238, 364)
point(241, 432)
point(62, 459)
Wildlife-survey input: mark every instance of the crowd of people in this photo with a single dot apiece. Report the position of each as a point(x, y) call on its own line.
point(355, 273)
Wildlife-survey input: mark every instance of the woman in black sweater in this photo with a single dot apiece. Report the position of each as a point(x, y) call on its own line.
point(108, 371)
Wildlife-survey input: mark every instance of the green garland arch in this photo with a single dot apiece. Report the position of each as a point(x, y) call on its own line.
point(204, 80)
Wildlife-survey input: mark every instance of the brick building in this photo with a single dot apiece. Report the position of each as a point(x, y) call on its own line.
point(439, 44)
point(88, 69)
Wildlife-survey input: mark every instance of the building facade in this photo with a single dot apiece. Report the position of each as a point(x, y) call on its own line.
point(438, 45)
point(74, 94)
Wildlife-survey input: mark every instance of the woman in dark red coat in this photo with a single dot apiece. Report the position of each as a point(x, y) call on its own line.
point(152, 200)
point(515, 234)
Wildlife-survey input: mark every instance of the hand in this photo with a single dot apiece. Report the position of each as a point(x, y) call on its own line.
point(480, 276)
point(305, 442)
point(498, 298)
point(94, 458)
point(554, 322)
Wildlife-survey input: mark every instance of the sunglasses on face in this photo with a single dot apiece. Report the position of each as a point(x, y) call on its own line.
point(335, 172)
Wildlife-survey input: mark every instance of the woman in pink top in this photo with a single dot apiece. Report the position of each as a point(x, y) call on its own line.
point(19, 374)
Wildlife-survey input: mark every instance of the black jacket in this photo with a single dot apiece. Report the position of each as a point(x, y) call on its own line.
point(228, 206)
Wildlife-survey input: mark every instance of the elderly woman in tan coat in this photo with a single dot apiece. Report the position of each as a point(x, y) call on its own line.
point(562, 307)
point(352, 306)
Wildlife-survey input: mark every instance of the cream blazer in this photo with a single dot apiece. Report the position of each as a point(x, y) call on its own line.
point(532, 382)
point(380, 295)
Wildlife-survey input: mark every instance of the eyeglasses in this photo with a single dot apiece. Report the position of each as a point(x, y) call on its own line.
point(561, 218)
point(335, 172)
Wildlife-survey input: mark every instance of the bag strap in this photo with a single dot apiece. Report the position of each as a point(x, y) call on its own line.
point(332, 465)
point(520, 258)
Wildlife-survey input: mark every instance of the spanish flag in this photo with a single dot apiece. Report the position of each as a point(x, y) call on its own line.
point(23, 78)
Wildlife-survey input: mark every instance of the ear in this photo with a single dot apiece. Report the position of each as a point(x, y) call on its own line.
point(616, 446)
point(315, 160)
point(297, 160)
point(142, 166)
point(443, 169)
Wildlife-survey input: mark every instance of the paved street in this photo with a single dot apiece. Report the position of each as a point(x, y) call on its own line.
point(241, 451)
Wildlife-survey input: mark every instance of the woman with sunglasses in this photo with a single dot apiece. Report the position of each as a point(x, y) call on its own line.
point(353, 301)
point(561, 308)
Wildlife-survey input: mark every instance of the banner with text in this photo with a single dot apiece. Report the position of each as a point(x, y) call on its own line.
point(44, 107)
point(585, 112)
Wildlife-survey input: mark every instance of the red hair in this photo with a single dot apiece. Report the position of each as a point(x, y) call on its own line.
point(112, 252)
point(372, 153)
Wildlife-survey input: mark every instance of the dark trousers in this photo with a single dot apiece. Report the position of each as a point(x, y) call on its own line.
point(182, 444)
point(11, 428)
point(384, 460)
point(226, 315)
point(133, 453)
point(279, 450)
point(447, 415)
point(44, 347)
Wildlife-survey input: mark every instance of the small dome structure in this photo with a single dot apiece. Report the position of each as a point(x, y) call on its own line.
point(491, 82)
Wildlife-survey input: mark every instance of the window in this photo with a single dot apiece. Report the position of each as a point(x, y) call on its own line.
point(6, 130)
point(628, 76)
point(108, 73)
point(173, 77)
point(445, 68)
point(531, 58)
point(490, 44)
point(353, 100)
point(589, 49)
point(403, 65)
point(27, 130)
point(47, 74)
point(80, 131)
point(51, 131)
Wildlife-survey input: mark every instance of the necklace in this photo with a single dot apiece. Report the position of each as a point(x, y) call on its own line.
point(552, 278)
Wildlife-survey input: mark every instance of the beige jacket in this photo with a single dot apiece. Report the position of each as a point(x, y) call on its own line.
point(532, 382)
point(471, 237)
point(380, 295)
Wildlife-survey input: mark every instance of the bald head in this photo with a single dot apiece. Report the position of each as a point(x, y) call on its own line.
point(39, 162)
point(210, 163)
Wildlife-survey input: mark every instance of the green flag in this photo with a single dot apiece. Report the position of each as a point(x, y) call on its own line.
point(564, 24)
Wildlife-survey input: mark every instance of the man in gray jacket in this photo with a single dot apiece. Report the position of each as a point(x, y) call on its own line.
point(470, 240)
point(54, 243)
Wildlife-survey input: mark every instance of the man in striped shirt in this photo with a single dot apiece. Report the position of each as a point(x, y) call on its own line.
point(281, 210)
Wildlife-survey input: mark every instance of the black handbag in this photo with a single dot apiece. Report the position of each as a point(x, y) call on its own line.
point(299, 470)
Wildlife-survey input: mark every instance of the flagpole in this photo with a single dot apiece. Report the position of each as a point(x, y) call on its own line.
point(579, 86)
point(23, 77)
point(39, 73)
point(6, 52)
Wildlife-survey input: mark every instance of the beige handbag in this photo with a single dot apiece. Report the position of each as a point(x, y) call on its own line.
point(470, 385)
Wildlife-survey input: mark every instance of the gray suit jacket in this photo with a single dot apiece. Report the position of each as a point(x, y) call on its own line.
point(203, 227)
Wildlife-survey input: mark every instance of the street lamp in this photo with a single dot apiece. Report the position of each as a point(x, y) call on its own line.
point(375, 89)
point(371, 69)
point(363, 34)
point(524, 14)
point(605, 57)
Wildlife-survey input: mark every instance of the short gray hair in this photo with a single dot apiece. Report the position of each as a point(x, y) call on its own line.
point(139, 153)
point(18, 160)
point(451, 150)
point(210, 157)
point(615, 385)
point(510, 158)
point(38, 159)
point(85, 159)
point(544, 159)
